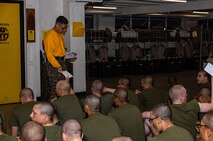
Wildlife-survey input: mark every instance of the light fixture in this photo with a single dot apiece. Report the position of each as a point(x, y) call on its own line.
point(200, 12)
point(104, 7)
point(156, 14)
point(175, 0)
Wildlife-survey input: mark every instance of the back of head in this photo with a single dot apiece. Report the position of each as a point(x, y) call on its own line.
point(125, 82)
point(62, 20)
point(26, 93)
point(208, 120)
point(205, 92)
point(122, 138)
point(176, 91)
point(97, 86)
point(163, 111)
point(93, 102)
point(64, 86)
point(121, 94)
point(46, 108)
point(32, 131)
point(72, 128)
point(148, 80)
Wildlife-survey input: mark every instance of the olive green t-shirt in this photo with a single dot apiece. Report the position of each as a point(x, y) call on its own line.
point(4, 124)
point(21, 114)
point(186, 115)
point(53, 133)
point(149, 98)
point(106, 103)
point(130, 121)
point(173, 133)
point(133, 98)
point(100, 127)
point(67, 107)
point(5, 137)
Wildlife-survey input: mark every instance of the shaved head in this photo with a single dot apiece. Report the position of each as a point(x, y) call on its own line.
point(26, 93)
point(124, 81)
point(72, 128)
point(97, 86)
point(176, 92)
point(46, 108)
point(148, 80)
point(32, 131)
point(62, 86)
point(121, 94)
point(163, 111)
point(208, 120)
point(93, 102)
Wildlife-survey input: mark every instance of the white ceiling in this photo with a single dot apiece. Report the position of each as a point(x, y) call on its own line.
point(144, 7)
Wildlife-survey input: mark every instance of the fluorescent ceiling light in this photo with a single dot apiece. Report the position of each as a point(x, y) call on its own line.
point(104, 7)
point(200, 12)
point(193, 16)
point(175, 0)
point(156, 14)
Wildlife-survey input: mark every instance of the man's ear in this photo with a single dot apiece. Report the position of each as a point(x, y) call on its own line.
point(64, 137)
point(209, 133)
point(86, 108)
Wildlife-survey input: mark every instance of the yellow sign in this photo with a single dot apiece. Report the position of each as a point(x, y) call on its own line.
point(194, 34)
point(31, 35)
point(10, 53)
point(78, 29)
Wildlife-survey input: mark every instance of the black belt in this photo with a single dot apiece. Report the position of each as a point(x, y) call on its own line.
point(59, 58)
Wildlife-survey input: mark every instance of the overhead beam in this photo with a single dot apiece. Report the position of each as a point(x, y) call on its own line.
point(162, 8)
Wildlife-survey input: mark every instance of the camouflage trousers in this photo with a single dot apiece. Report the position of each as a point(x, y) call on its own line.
point(53, 77)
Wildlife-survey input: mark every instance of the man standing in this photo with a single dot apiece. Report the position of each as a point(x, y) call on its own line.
point(98, 127)
point(161, 118)
point(21, 114)
point(67, 106)
point(71, 131)
point(55, 52)
point(42, 113)
point(127, 116)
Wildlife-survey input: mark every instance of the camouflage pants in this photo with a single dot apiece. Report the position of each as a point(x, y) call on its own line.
point(53, 77)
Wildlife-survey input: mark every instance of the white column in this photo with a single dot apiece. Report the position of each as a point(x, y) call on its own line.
point(77, 45)
point(32, 57)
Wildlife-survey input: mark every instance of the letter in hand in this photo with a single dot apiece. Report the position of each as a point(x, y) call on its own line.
point(137, 91)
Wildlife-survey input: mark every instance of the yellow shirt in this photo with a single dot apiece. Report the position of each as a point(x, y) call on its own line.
point(54, 47)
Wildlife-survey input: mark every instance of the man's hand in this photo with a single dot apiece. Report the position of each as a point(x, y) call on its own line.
point(60, 69)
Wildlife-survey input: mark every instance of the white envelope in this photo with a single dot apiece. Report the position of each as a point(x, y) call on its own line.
point(67, 74)
point(209, 69)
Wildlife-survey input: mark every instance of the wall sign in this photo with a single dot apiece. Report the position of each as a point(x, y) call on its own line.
point(30, 13)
